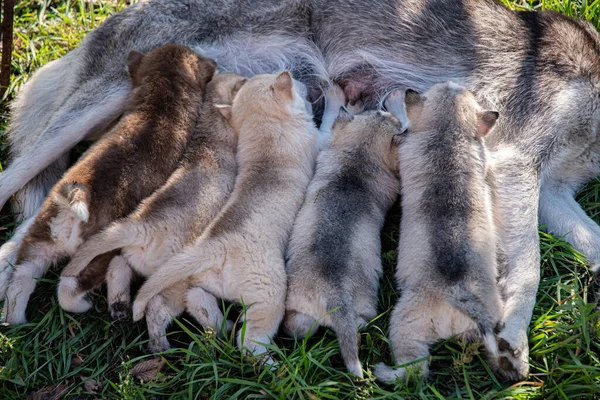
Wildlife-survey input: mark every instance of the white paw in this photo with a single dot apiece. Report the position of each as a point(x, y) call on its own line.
point(70, 297)
point(394, 104)
point(356, 108)
point(12, 318)
point(334, 98)
point(138, 311)
point(387, 374)
point(355, 369)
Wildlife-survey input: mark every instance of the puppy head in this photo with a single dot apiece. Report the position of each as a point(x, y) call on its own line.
point(448, 107)
point(170, 60)
point(377, 133)
point(221, 91)
point(272, 97)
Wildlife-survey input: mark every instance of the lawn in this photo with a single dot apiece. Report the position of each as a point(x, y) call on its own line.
point(89, 355)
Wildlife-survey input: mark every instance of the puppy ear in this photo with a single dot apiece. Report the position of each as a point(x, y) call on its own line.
point(238, 85)
point(207, 67)
point(283, 85)
point(343, 118)
point(225, 110)
point(485, 122)
point(413, 104)
point(134, 60)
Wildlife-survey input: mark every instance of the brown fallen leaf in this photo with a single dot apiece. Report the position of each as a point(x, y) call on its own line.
point(147, 369)
point(91, 385)
point(76, 361)
point(53, 392)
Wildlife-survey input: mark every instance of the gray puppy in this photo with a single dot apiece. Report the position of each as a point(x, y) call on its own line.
point(334, 256)
point(540, 70)
point(447, 268)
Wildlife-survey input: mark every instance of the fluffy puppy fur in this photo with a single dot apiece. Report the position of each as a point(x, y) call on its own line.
point(175, 214)
point(447, 269)
point(112, 178)
point(334, 257)
point(240, 257)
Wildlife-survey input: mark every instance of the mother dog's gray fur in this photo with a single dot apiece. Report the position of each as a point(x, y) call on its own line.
point(540, 70)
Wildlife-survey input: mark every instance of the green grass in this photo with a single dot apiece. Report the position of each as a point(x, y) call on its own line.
point(59, 348)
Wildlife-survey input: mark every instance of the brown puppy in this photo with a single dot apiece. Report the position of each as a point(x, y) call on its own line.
point(110, 180)
point(173, 216)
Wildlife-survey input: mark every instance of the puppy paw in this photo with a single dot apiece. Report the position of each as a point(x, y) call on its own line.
point(394, 104)
point(119, 310)
point(70, 297)
point(158, 345)
point(512, 361)
point(356, 107)
point(10, 317)
point(335, 98)
point(387, 374)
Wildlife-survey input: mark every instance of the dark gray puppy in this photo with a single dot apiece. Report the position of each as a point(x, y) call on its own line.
point(334, 256)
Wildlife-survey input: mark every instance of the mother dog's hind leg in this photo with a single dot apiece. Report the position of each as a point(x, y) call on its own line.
point(564, 216)
point(92, 107)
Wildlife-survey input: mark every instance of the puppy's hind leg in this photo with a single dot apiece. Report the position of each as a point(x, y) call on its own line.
point(297, 324)
point(118, 286)
point(160, 312)
point(265, 301)
point(8, 254)
point(205, 308)
point(34, 265)
point(72, 290)
point(96, 104)
point(344, 325)
point(410, 337)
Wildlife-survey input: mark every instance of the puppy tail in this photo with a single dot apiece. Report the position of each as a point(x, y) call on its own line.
point(194, 259)
point(346, 328)
point(470, 304)
point(78, 198)
point(117, 235)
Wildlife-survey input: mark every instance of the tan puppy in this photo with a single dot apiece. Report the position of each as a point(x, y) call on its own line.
point(240, 257)
point(334, 257)
point(174, 215)
point(447, 259)
point(135, 159)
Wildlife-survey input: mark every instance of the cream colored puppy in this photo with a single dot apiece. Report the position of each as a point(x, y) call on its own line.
point(173, 216)
point(240, 257)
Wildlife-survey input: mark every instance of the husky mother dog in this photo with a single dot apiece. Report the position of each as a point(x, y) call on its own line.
point(541, 71)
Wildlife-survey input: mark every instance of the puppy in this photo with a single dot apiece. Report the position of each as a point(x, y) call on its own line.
point(240, 257)
point(447, 269)
point(334, 257)
point(110, 180)
point(171, 302)
point(175, 214)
